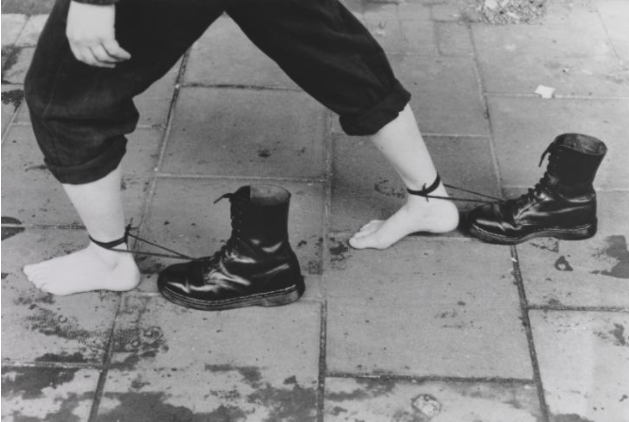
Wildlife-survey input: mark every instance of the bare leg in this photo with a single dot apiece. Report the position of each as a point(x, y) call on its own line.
point(402, 144)
point(99, 205)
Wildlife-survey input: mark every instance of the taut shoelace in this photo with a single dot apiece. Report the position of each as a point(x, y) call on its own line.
point(424, 192)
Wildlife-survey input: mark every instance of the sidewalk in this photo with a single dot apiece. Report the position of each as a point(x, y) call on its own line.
point(437, 328)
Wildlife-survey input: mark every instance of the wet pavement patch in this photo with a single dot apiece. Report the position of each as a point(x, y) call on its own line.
point(66, 358)
point(570, 418)
point(29, 383)
point(562, 264)
point(616, 249)
point(147, 407)
point(14, 97)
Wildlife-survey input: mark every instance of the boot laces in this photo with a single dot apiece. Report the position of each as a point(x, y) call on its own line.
point(236, 211)
point(544, 182)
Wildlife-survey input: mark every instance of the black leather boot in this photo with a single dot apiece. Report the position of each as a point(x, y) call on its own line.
point(256, 267)
point(561, 205)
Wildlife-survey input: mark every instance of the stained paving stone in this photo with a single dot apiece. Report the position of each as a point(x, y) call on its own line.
point(446, 94)
point(247, 133)
point(583, 364)
point(434, 312)
point(47, 394)
point(523, 130)
point(615, 15)
point(12, 25)
point(12, 97)
point(386, 400)
point(30, 34)
point(31, 194)
point(365, 187)
point(586, 273)
point(38, 327)
point(173, 363)
point(453, 39)
point(200, 227)
point(225, 56)
point(518, 58)
point(13, 72)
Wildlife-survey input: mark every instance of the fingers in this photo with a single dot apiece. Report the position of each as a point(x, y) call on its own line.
point(114, 50)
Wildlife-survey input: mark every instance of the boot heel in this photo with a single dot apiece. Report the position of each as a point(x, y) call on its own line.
point(288, 295)
point(578, 233)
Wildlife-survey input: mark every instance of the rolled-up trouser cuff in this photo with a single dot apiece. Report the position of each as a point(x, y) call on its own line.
point(375, 118)
point(92, 170)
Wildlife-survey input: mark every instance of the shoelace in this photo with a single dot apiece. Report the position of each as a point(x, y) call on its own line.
point(539, 186)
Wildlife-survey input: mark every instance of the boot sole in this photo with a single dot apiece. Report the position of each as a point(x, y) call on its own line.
point(576, 233)
point(267, 299)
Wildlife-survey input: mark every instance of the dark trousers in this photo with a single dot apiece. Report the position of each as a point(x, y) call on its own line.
point(81, 113)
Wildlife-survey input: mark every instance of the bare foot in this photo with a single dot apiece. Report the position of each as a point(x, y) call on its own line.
point(417, 215)
point(92, 268)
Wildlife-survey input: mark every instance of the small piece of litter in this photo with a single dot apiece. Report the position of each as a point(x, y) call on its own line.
point(491, 4)
point(545, 91)
point(427, 405)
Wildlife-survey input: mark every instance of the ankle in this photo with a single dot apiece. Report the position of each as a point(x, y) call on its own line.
point(111, 257)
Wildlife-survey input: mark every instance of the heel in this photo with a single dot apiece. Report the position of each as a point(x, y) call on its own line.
point(585, 231)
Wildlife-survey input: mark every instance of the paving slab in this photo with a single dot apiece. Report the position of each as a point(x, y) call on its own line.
point(200, 228)
point(524, 127)
point(583, 364)
point(453, 39)
point(32, 195)
point(38, 327)
point(365, 186)
point(47, 394)
point(385, 400)
point(12, 97)
point(446, 94)
point(12, 25)
point(588, 273)
point(30, 34)
point(225, 56)
point(433, 313)
point(173, 363)
point(247, 133)
point(14, 69)
point(403, 37)
point(27, 6)
point(518, 58)
point(615, 15)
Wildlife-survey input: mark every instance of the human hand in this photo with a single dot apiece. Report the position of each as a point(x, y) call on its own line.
point(90, 31)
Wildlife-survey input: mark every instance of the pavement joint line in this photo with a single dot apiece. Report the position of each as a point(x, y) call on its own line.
point(322, 361)
point(557, 96)
point(51, 365)
point(526, 320)
point(235, 177)
point(104, 372)
point(428, 378)
point(487, 113)
point(148, 200)
point(609, 38)
point(240, 87)
point(611, 309)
